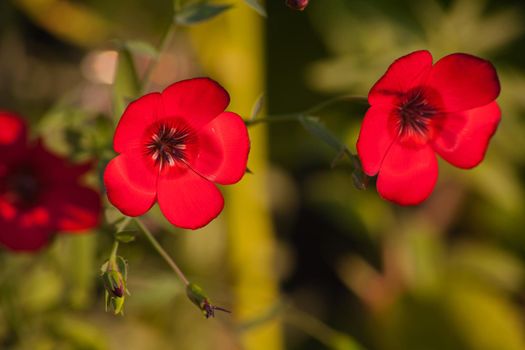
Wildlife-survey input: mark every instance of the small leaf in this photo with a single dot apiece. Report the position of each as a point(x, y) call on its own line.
point(257, 6)
point(141, 47)
point(248, 171)
point(125, 236)
point(257, 106)
point(199, 12)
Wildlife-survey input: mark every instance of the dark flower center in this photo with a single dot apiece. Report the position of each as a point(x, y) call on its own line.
point(415, 113)
point(23, 186)
point(168, 145)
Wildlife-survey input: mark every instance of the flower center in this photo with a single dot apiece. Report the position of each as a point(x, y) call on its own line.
point(167, 145)
point(415, 113)
point(23, 186)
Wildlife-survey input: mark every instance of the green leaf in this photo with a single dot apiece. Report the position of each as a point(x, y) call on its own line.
point(126, 236)
point(141, 47)
point(257, 6)
point(199, 12)
point(257, 106)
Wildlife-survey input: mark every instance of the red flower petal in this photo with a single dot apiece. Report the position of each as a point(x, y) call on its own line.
point(464, 137)
point(130, 183)
point(223, 149)
point(197, 101)
point(24, 231)
point(73, 208)
point(187, 199)
point(402, 75)
point(54, 169)
point(136, 118)
point(13, 137)
point(407, 175)
point(374, 140)
point(464, 82)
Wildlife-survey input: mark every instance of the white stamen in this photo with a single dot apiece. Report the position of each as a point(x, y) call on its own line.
point(171, 161)
point(155, 155)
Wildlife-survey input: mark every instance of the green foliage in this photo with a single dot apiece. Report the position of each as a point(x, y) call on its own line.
point(257, 6)
point(199, 12)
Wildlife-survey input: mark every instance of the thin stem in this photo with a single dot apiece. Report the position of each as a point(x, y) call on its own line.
point(113, 256)
point(162, 252)
point(309, 111)
point(121, 226)
point(274, 119)
point(166, 40)
point(333, 100)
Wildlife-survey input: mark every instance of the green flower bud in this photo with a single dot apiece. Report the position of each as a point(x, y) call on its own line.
point(198, 297)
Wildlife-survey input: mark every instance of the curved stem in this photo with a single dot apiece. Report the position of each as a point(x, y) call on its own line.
point(113, 255)
point(162, 252)
point(322, 105)
point(165, 41)
point(309, 111)
point(274, 119)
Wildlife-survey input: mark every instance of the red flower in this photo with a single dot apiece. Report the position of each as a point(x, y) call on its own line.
point(419, 109)
point(173, 146)
point(40, 193)
point(297, 4)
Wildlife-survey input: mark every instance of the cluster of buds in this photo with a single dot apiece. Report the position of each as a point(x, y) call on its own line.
point(114, 274)
point(297, 4)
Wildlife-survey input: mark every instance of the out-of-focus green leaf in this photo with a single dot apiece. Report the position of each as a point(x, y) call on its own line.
point(257, 6)
point(488, 264)
point(126, 236)
point(78, 333)
point(141, 47)
point(485, 318)
point(199, 12)
point(41, 289)
point(257, 107)
point(126, 85)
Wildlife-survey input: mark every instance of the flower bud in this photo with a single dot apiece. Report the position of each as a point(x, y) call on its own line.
point(114, 276)
point(113, 282)
point(297, 4)
point(198, 297)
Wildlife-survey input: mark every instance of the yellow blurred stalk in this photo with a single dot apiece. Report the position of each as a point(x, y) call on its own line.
point(231, 50)
point(67, 20)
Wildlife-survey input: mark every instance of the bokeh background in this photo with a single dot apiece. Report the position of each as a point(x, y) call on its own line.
point(302, 258)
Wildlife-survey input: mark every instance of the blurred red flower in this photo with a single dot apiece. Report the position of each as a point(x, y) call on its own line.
point(418, 109)
point(173, 146)
point(297, 4)
point(40, 192)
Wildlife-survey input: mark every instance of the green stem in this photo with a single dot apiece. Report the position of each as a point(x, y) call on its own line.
point(156, 245)
point(320, 331)
point(274, 119)
point(327, 103)
point(113, 256)
point(310, 111)
point(165, 41)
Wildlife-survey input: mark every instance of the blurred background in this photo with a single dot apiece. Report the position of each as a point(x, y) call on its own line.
point(302, 258)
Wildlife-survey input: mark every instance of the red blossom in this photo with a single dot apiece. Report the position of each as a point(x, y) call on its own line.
point(40, 192)
point(418, 109)
point(174, 146)
point(297, 4)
